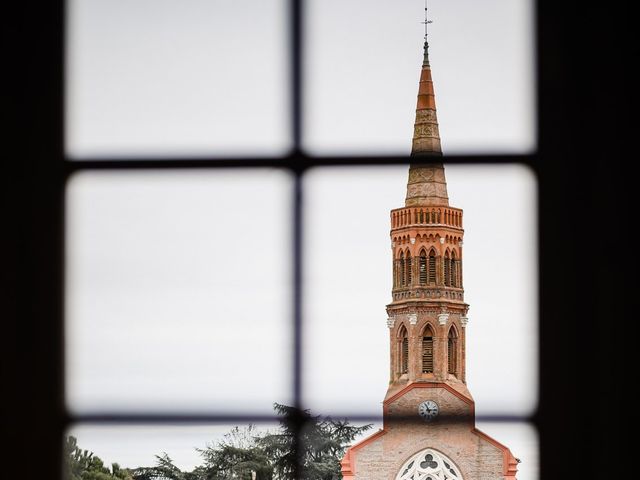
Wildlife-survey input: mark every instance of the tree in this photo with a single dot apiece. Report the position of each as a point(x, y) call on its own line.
point(164, 469)
point(84, 465)
point(238, 455)
point(322, 443)
point(272, 455)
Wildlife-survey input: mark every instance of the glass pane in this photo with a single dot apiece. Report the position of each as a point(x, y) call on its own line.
point(176, 77)
point(363, 62)
point(349, 274)
point(135, 446)
point(177, 291)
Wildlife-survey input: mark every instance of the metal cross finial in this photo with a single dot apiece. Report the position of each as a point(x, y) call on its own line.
point(425, 61)
point(426, 20)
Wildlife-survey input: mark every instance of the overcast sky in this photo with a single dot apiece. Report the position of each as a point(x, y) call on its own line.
point(203, 77)
point(178, 286)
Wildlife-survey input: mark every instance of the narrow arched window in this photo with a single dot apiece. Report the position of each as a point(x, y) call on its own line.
point(408, 269)
point(454, 270)
point(452, 352)
point(423, 268)
point(402, 271)
point(447, 269)
point(427, 350)
point(404, 351)
point(432, 267)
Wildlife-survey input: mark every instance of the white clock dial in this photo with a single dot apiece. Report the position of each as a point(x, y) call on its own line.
point(428, 410)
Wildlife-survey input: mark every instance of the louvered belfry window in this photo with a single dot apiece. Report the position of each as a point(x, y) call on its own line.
point(427, 351)
point(447, 270)
point(423, 268)
point(454, 271)
point(404, 353)
point(408, 269)
point(402, 270)
point(397, 272)
point(432, 267)
point(452, 351)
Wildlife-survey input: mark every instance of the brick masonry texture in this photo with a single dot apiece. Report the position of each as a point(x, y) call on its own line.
point(452, 433)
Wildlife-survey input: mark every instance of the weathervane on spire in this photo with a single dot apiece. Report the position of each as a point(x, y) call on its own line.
point(426, 33)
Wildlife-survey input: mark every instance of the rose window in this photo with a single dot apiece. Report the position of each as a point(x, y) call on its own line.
point(429, 465)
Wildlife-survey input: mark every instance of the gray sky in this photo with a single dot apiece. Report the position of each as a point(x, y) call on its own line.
point(160, 312)
point(202, 77)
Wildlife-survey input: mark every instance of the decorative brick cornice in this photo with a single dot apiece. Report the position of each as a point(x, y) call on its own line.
point(443, 385)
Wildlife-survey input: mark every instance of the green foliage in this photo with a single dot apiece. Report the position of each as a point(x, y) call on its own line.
point(84, 465)
point(243, 453)
point(163, 470)
point(237, 456)
point(322, 444)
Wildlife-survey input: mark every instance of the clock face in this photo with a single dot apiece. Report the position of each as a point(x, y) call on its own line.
point(428, 410)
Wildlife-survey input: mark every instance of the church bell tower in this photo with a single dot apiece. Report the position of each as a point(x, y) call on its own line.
point(427, 317)
point(429, 428)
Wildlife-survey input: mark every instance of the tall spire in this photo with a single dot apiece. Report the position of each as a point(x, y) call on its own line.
point(427, 184)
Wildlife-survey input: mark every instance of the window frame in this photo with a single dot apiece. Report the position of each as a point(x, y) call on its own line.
point(37, 172)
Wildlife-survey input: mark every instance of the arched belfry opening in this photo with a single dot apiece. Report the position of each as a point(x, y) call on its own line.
point(422, 267)
point(408, 269)
point(452, 351)
point(447, 269)
point(432, 267)
point(403, 340)
point(427, 349)
point(454, 270)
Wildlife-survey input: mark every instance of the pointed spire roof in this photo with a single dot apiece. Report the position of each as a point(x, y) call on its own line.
point(427, 184)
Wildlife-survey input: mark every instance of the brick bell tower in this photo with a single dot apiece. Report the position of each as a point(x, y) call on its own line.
point(429, 425)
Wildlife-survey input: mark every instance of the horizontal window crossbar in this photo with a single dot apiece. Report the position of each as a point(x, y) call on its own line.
point(203, 418)
point(295, 162)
